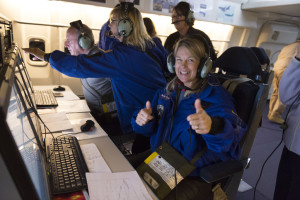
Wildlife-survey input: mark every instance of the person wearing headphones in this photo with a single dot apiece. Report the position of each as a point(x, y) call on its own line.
point(135, 75)
point(288, 175)
point(80, 40)
point(183, 20)
point(191, 113)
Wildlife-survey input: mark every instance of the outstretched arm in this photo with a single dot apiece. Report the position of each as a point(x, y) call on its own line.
point(38, 53)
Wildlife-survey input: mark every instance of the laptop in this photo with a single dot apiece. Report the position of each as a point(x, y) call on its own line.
point(30, 158)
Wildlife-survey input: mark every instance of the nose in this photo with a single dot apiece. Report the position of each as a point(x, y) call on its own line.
point(66, 43)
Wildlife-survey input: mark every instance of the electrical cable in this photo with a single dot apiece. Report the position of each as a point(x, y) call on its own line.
point(283, 127)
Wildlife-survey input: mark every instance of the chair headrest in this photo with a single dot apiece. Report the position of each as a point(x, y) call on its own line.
point(239, 60)
point(261, 55)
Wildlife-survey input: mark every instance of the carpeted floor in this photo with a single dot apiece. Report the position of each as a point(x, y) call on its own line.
point(267, 139)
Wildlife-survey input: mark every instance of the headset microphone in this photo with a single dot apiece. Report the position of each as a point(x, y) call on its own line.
point(175, 22)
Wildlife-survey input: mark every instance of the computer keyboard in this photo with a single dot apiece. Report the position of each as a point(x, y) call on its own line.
point(45, 98)
point(67, 165)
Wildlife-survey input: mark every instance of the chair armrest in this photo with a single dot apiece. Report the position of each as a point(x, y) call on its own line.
point(221, 170)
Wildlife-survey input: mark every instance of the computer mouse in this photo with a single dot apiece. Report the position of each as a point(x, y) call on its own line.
point(87, 126)
point(59, 88)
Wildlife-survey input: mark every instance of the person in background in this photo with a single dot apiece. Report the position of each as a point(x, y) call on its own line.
point(151, 29)
point(135, 76)
point(183, 20)
point(190, 113)
point(288, 176)
point(80, 40)
point(105, 36)
point(276, 108)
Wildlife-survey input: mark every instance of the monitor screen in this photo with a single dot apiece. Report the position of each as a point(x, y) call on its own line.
point(22, 151)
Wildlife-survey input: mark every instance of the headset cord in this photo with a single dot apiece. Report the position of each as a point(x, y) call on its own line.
point(283, 126)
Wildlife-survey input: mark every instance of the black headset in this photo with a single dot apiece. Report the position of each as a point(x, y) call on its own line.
point(84, 40)
point(125, 25)
point(205, 64)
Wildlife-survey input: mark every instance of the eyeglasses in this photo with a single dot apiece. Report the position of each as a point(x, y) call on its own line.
point(112, 20)
point(176, 16)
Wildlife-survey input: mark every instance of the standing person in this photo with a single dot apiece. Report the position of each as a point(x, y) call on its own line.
point(151, 29)
point(105, 36)
point(288, 176)
point(192, 112)
point(135, 76)
point(276, 108)
point(183, 20)
point(80, 40)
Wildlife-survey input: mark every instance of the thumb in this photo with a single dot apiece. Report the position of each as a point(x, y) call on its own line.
point(148, 105)
point(198, 106)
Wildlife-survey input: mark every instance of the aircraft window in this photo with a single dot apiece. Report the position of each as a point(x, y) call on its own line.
point(36, 43)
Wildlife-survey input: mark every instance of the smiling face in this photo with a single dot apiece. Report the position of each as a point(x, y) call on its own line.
point(186, 66)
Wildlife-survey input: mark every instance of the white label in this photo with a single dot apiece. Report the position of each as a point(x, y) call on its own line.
point(165, 170)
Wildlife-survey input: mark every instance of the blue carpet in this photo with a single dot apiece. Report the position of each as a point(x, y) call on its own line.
point(267, 138)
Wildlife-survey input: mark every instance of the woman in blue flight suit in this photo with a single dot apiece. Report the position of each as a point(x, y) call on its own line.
point(134, 74)
point(192, 112)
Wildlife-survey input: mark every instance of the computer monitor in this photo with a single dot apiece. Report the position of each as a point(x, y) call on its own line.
point(23, 172)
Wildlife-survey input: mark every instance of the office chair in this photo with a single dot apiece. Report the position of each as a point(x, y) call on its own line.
point(240, 67)
point(266, 74)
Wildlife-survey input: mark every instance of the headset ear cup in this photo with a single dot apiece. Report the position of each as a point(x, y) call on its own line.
point(125, 27)
point(171, 63)
point(84, 42)
point(190, 18)
point(205, 67)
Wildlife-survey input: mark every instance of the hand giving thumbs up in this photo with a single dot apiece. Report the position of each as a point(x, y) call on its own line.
point(144, 116)
point(200, 121)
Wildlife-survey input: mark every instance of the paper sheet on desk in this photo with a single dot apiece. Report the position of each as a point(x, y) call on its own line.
point(76, 123)
point(56, 121)
point(94, 159)
point(115, 186)
point(72, 106)
point(68, 96)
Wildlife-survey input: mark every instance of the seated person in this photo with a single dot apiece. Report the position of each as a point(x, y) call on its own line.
point(151, 29)
point(97, 91)
point(190, 113)
point(134, 75)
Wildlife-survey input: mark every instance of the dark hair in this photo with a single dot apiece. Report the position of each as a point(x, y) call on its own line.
point(149, 26)
point(183, 8)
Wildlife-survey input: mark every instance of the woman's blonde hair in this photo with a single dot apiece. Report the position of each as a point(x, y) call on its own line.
point(196, 47)
point(139, 36)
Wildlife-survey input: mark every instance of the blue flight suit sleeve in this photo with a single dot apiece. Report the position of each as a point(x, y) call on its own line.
point(81, 66)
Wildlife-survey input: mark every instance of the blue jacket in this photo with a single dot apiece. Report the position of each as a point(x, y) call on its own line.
point(217, 102)
point(134, 74)
point(105, 42)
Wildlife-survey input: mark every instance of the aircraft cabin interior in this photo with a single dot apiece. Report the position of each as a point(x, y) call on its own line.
point(234, 26)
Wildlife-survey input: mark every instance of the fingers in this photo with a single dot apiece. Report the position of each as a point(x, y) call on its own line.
point(198, 106)
point(39, 54)
point(148, 105)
